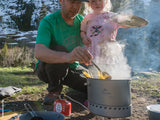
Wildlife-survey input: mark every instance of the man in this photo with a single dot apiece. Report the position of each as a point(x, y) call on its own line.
point(59, 50)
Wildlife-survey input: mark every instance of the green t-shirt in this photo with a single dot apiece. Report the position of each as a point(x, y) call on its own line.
point(53, 30)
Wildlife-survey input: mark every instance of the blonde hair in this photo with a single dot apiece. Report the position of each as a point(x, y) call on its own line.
point(106, 8)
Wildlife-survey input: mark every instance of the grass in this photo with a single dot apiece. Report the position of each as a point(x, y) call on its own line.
point(29, 82)
point(148, 83)
point(21, 77)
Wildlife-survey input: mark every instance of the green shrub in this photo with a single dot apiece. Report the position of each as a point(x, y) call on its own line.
point(12, 57)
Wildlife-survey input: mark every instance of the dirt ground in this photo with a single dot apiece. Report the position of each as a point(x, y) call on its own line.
point(139, 103)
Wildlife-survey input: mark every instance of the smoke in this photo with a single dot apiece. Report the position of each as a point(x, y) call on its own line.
point(142, 45)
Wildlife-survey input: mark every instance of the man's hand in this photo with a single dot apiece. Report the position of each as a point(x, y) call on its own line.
point(81, 54)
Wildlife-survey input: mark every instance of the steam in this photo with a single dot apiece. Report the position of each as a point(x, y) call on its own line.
point(113, 61)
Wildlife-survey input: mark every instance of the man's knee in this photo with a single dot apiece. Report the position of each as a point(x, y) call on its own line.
point(47, 71)
point(41, 72)
point(55, 68)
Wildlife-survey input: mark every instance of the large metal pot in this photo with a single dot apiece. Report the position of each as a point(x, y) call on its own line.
point(110, 98)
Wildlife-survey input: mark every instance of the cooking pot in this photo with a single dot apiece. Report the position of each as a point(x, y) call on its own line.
point(109, 98)
point(154, 112)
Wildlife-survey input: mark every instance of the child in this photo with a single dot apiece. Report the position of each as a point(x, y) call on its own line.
point(98, 33)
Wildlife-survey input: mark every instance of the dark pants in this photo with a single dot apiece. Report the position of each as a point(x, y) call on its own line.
point(57, 75)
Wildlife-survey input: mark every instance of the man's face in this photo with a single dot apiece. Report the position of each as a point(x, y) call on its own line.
point(70, 8)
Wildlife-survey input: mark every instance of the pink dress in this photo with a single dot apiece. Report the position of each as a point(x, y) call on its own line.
point(102, 33)
point(106, 51)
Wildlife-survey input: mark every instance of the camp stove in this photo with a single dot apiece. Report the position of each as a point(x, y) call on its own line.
point(109, 98)
point(63, 106)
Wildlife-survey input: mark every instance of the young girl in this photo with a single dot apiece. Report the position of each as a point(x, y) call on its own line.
point(98, 33)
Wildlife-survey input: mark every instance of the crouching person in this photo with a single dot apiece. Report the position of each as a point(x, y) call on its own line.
point(60, 52)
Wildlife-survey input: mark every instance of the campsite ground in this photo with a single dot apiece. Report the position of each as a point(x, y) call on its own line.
point(144, 91)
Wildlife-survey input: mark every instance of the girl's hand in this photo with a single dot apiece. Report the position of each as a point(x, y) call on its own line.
point(87, 42)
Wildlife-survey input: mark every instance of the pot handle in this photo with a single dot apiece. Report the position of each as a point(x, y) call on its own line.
point(30, 109)
point(85, 84)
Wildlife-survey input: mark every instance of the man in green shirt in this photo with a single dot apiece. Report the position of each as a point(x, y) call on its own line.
point(59, 50)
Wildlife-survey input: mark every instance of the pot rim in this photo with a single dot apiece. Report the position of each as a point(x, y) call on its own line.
point(131, 78)
point(153, 110)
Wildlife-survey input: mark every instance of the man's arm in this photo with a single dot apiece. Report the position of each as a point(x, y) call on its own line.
point(50, 56)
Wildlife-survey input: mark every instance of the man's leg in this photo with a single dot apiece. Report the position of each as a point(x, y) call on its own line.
point(76, 80)
point(53, 74)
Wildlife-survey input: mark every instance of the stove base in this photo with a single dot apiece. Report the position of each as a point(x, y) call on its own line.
point(110, 111)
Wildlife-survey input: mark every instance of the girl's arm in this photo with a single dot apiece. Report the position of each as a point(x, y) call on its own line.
point(86, 41)
point(118, 19)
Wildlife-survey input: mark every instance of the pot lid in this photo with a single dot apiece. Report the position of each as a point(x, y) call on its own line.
point(129, 20)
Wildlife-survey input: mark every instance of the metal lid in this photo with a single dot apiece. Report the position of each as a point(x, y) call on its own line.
point(154, 108)
point(129, 20)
